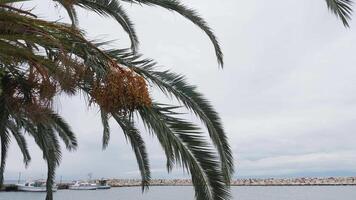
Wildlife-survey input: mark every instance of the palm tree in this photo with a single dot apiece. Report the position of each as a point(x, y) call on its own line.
point(57, 58)
point(42, 124)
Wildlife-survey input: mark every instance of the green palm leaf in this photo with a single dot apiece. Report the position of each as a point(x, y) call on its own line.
point(175, 85)
point(133, 135)
point(342, 9)
point(188, 149)
point(63, 129)
point(21, 142)
point(106, 8)
point(191, 15)
point(11, 1)
point(48, 142)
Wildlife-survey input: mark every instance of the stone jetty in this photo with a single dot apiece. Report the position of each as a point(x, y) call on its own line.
point(331, 181)
point(295, 181)
point(243, 182)
point(155, 182)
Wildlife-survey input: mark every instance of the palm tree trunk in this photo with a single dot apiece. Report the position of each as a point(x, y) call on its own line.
point(1, 75)
point(50, 177)
point(3, 159)
point(4, 141)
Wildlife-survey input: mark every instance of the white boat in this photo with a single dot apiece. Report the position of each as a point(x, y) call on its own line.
point(103, 185)
point(34, 186)
point(77, 185)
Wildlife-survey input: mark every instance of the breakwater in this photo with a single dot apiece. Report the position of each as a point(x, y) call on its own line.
point(331, 181)
point(243, 182)
point(296, 181)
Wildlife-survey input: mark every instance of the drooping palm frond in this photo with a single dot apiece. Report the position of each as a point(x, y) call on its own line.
point(342, 9)
point(175, 85)
point(6, 127)
point(48, 142)
point(41, 123)
point(11, 1)
point(106, 8)
point(45, 134)
point(63, 129)
point(191, 15)
point(132, 134)
point(72, 13)
point(59, 41)
point(11, 8)
point(188, 148)
point(21, 142)
point(113, 9)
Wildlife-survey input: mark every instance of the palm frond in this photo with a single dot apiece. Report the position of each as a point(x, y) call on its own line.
point(72, 14)
point(191, 15)
point(175, 85)
point(132, 134)
point(48, 142)
point(110, 8)
point(63, 129)
point(190, 150)
point(9, 7)
point(59, 40)
point(21, 142)
point(11, 1)
point(342, 9)
point(44, 134)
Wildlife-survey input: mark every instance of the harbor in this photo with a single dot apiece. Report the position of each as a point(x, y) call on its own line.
point(95, 184)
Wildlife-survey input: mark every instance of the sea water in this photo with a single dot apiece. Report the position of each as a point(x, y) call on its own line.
point(187, 193)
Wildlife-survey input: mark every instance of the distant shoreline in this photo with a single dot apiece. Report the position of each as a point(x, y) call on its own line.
point(330, 181)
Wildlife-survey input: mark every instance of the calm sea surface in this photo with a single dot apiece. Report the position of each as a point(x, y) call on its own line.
point(186, 193)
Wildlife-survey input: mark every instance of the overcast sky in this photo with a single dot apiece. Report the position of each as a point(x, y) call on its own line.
point(286, 95)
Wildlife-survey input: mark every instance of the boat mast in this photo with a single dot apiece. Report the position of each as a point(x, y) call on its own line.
point(18, 181)
point(90, 176)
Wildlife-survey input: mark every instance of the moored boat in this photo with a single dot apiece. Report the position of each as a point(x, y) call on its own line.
point(103, 185)
point(34, 186)
point(77, 185)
